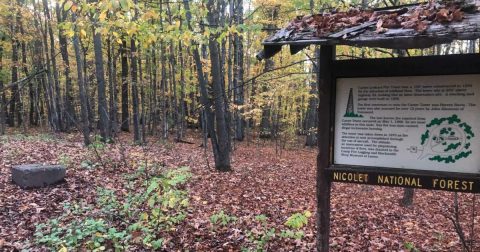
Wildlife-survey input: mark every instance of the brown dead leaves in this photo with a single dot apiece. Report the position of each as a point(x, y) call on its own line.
point(327, 23)
point(363, 218)
point(418, 18)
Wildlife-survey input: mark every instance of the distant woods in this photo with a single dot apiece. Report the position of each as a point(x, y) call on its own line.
point(156, 68)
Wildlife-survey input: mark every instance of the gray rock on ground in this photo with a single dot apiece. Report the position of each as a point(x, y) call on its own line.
point(37, 175)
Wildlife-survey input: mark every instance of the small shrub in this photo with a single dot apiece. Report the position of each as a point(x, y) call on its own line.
point(410, 247)
point(222, 219)
point(138, 216)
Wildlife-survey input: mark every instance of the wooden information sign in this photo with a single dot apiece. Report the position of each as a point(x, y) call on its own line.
point(418, 131)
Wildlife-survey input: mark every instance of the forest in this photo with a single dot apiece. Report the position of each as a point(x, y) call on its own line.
point(176, 137)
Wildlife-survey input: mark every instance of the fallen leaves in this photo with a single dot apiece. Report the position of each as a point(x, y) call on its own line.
point(418, 18)
point(364, 218)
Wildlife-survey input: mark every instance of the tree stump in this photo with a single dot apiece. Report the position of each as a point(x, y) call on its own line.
point(37, 175)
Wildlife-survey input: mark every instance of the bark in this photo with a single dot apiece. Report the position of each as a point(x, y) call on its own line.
point(100, 76)
point(239, 97)
point(136, 124)
point(134, 60)
point(142, 98)
point(163, 92)
point(208, 117)
point(311, 118)
point(408, 194)
point(22, 115)
point(2, 94)
point(56, 85)
point(265, 123)
point(175, 113)
point(15, 93)
point(112, 80)
point(48, 84)
point(69, 112)
point(183, 104)
point(222, 162)
point(81, 87)
point(124, 62)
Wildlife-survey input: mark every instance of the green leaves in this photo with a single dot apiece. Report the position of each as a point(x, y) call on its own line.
point(149, 208)
point(222, 219)
point(67, 5)
point(298, 220)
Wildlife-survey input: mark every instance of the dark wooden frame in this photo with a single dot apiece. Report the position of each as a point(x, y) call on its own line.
point(329, 71)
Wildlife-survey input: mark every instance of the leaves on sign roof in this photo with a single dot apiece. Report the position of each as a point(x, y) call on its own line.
point(418, 18)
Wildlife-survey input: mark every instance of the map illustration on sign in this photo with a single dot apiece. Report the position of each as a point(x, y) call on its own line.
point(446, 140)
point(350, 107)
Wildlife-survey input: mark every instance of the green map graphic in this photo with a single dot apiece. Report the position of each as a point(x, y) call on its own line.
point(446, 140)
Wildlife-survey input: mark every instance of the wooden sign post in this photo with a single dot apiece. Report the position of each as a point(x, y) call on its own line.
point(403, 122)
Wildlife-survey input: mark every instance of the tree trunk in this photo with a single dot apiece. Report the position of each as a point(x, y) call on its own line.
point(222, 162)
point(48, 86)
point(239, 97)
point(15, 92)
point(81, 87)
point(112, 81)
point(265, 123)
point(163, 92)
point(183, 104)
point(408, 194)
point(208, 117)
point(69, 112)
point(56, 91)
point(133, 61)
point(2, 93)
point(100, 75)
point(125, 114)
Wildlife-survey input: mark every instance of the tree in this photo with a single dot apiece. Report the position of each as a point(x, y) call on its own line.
point(124, 65)
point(100, 75)
point(238, 85)
point(81, 87)
point(222, 161)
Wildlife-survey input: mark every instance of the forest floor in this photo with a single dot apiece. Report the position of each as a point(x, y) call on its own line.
point(364, 218)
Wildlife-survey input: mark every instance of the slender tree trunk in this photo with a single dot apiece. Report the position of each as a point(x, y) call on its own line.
point(133, 61)
point(222, 162)
point(142, 98)
point(112, 80)
point(102, 100)
point(311, 118)
point(408, 194)
point(48, 85)
point(124, 62)
point(163, 92)
point(87, 82)
point(69, 111)
point(265, 123)
point(2, 93)
point(15, 92)
point(182, 91)
point(57, 93)
point(239, 94)
point(208, 116)
point(85, 128)
point(154, 98)
point(22, 111)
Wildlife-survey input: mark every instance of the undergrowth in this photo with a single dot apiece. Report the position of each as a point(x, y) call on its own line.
point(138, 217)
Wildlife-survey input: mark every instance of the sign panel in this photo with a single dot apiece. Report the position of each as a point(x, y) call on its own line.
point(427, 123)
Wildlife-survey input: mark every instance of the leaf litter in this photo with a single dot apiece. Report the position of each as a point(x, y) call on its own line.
point(418, 17)
point(364, 218)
